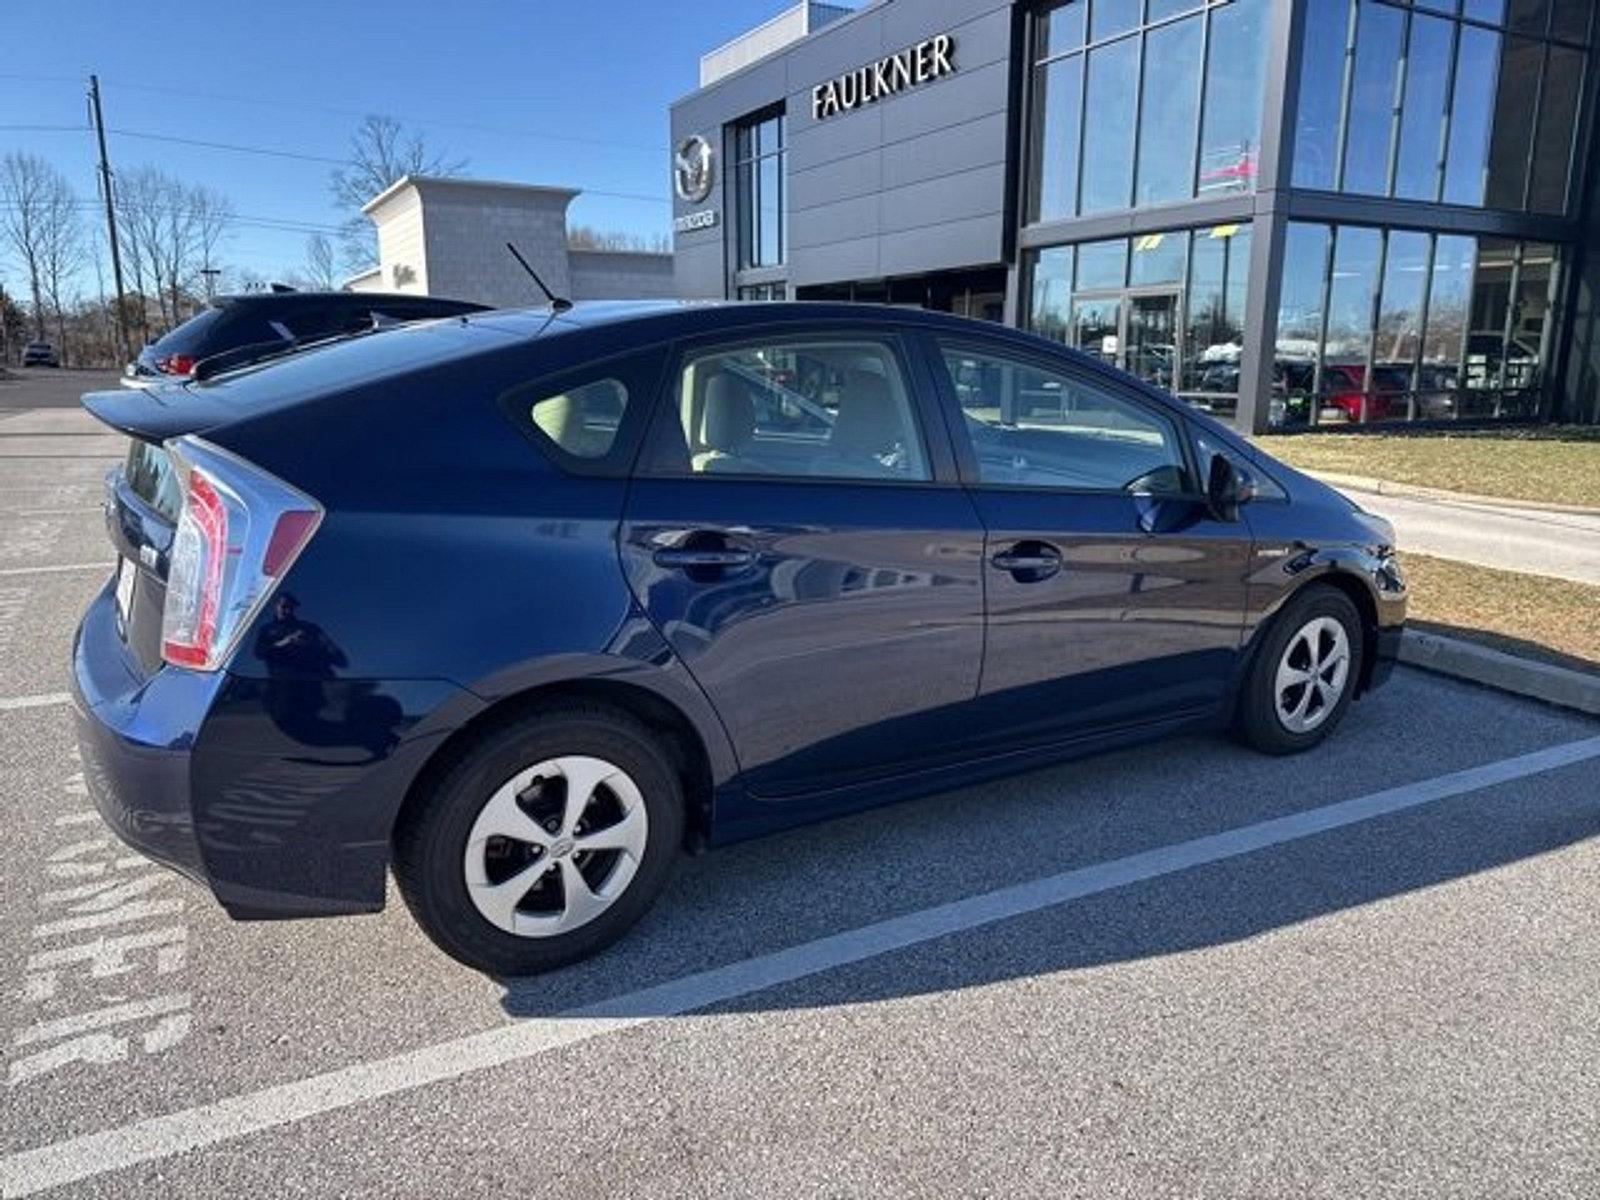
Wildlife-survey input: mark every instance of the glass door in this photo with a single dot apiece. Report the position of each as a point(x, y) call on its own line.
point(1152, 339)
point(1097, 327)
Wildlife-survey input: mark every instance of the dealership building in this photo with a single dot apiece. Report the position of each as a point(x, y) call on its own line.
point(1289, 212)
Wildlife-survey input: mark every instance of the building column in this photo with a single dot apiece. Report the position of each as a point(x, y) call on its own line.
point(1274, 172)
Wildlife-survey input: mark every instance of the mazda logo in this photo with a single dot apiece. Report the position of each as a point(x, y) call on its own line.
point(691, 169)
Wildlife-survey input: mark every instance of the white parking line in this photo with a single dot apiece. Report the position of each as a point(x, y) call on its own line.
point(55, 567)
point(28, 1171)
point(45, 700)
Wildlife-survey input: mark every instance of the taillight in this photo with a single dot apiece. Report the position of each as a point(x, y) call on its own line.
point(177, 364)
point(238, 533)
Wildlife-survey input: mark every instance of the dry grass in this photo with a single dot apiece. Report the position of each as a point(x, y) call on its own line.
point(1549, 619)
point(1558, 464)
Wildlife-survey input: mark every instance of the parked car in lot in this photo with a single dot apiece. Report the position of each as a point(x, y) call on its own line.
point(525, 604)
point(40, 354)
point(261, 323)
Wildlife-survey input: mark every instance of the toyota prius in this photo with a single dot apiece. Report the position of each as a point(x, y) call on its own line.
point(522, 605)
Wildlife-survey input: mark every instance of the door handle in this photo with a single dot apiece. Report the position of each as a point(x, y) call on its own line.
point(1029, 562)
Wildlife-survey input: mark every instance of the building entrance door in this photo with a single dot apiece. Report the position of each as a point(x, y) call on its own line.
point(1134, 330)
point(1152, 338)
point(1097, 327)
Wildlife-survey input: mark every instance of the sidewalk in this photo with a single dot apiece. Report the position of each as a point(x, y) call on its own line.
point(1488, 533)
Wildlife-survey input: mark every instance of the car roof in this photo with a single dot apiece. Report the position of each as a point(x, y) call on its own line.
point(291, 299)
point(663, 319)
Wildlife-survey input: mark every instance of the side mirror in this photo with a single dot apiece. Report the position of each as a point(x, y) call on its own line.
point(1227, 487)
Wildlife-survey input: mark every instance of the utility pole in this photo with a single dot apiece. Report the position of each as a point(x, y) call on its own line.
point(211, 274)
point(111, 218)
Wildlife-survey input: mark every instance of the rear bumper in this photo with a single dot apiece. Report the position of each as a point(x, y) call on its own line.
point(134, 738)
point(278, 798)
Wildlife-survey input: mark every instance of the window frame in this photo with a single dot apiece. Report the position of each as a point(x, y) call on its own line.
point(1048, 359)
point(640, 371)
point(746, 161)
point(658, 458)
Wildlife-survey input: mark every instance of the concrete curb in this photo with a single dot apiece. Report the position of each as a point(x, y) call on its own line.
point(1387, 487)
point(1506, 672)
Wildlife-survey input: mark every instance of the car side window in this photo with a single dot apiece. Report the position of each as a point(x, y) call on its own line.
point(1031, 426)
point(582, 420)
point(835, 408)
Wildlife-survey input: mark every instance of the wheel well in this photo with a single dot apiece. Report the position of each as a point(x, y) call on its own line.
point(1358, 595)
point(662, 717)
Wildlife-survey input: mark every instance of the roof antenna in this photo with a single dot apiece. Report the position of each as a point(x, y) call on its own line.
point(557, 303)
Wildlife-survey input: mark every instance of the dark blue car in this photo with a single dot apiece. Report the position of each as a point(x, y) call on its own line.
point(523, 604)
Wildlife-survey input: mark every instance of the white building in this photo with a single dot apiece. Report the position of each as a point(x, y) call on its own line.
point(447, 238)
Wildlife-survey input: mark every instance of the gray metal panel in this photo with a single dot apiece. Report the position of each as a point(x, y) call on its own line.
point(697, 270)
point(945, 102)
point(979, 141)
point(969, 243)
point(958, 197)
point(858, 175)
point(917, 179)
point(841, 221)
point(836, 261)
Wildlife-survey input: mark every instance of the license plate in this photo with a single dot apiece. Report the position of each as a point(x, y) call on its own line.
point(125, 576)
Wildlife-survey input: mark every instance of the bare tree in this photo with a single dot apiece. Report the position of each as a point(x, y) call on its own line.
point(62, 252)
point(586, 237)
point(213, 214)
point(321, 271)
point(27, 207)
point(170, 233)
point(381, 153)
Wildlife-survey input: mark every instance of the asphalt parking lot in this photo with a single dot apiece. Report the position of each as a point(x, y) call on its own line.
point(1181, 970)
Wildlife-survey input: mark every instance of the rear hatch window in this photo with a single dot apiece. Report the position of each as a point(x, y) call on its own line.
point(190, 337)
point(150, 477)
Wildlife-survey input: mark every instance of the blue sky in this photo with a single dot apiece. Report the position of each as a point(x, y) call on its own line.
point(539, 91)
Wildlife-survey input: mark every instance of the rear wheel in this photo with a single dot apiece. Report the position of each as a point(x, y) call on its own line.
point(1304, 677)
point(542, 841)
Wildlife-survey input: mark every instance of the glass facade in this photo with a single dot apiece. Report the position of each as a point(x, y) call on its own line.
point(1168, 306)
point(1140, 102)
point(1384, 311)
point(1476, 104)
point(759, 186)
point(1397, 324)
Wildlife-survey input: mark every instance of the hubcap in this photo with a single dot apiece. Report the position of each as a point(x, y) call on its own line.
point(555, 846)
point(1312, 674)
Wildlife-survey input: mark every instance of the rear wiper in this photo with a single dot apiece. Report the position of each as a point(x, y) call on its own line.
point(260, 352)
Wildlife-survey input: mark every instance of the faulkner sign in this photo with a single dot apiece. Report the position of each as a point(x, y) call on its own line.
point(923, 63)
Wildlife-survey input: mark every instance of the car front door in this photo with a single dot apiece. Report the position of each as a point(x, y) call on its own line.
point(1114, 596)
point(803, 545)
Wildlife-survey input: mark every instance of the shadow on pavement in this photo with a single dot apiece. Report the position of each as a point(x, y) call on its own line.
point(759, 897)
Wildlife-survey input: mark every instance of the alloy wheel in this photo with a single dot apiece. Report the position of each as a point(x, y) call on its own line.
point(555, 846)
point(1312, 674)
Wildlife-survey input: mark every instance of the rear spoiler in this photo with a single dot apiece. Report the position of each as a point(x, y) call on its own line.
point(157, 413)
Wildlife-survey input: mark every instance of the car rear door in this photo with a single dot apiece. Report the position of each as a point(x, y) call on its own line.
point(1114, 597)
point(796, 532)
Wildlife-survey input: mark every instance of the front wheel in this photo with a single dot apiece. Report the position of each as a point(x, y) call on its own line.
point(1305, 675)
point(541, 842)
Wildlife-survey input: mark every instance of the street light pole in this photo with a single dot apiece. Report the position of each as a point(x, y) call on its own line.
point(111, 217)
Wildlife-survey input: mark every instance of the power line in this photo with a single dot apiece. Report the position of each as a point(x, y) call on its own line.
point(274, 152)
point(278, 102)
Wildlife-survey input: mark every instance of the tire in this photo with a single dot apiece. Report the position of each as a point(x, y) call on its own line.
point(469, 847)
point(1278, 716)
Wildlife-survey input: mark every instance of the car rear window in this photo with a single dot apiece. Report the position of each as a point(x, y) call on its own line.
point(189, 337)
point(151, 478)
